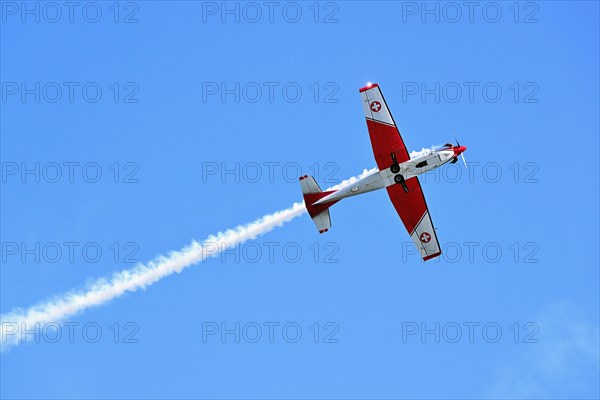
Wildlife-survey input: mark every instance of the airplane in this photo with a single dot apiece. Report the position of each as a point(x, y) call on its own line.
point(397, 173)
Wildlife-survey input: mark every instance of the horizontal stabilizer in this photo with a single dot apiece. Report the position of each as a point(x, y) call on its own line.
point(319, 212)
point(322, 221)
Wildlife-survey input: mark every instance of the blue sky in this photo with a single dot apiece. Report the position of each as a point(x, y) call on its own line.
point(199, 119)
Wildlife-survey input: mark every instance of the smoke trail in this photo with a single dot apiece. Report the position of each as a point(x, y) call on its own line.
point(349, 181)
point(423, 151)
point(103, 290)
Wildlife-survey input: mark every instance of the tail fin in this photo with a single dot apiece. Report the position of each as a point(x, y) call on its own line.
point(320, 212)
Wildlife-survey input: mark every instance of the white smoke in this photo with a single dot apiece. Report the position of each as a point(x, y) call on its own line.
point(424, 151)
point(349, 181)
point(103, 290)
point(139, 277)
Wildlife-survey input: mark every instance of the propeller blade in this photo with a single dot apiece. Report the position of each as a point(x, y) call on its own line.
point(463, 157)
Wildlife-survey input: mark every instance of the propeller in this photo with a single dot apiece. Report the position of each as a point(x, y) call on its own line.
point(461, 154)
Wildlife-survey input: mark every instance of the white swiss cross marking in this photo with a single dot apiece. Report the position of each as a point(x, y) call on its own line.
point(425, 237)
point(376, 106)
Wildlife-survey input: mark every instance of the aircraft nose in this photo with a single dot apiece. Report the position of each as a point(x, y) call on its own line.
point(459, 149)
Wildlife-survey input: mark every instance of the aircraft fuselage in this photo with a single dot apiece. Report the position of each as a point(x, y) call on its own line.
point(408, 169)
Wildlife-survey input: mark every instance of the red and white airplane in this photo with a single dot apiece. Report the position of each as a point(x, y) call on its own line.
point(397, 173)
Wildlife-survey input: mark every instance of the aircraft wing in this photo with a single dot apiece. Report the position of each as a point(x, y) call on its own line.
point(386, 140)
point(413, 212)
point(385, 137)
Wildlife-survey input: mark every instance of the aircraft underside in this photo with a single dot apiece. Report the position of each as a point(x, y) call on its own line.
point(397, 173)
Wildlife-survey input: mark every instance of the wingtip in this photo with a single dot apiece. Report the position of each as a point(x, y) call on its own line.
point(429, 257)
point(369, 86)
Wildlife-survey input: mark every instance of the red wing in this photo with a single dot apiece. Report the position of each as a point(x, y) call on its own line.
point(412, 209)
point(385, 137)
point(386, 140)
